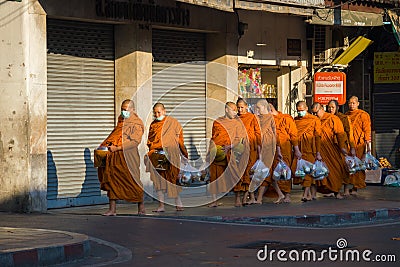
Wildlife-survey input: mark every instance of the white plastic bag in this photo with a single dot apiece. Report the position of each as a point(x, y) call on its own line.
point(354, 164)
point(391, 180)
point(260, 172)
point(188, 173)
point(282, 172)
point(303, 168)
point(319, 170)
point(371, 162)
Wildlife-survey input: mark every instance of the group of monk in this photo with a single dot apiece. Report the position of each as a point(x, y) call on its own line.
point(239, 138)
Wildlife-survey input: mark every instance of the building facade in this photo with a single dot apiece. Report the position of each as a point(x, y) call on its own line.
point(65, 69)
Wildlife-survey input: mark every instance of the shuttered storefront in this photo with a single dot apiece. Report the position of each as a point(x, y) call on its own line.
point(387, 121)
point(178, 82)
point(80, 108)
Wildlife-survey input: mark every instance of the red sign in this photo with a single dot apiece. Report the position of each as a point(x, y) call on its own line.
point(330, 86)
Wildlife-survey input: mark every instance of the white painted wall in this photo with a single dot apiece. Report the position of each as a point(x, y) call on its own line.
point(22, 106)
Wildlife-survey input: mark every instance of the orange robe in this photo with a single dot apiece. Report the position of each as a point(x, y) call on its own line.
point(252, 126)
point(361, 124)
point(227, 174)
point(349, 142)
point(268, 143)
point(332, 131)
point(309, 137)
point(166, 135)
point(287, 137)
point(121, 175)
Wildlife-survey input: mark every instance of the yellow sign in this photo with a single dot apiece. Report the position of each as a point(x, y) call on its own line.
point(387, 67)
point(359, 45)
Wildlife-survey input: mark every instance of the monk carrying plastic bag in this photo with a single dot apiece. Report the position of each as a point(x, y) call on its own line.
point(354, 164)
point(319, 170)
point(188, 173)
point(303, 168)
point(282, 171)
point(260, 172)
point(371, 162)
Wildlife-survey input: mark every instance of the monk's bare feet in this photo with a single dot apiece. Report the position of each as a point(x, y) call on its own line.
point(280, 199)
point(238, 201)
point(109, 213)
point(179, 208)
point(141, 209)
point(329, 195)
point(353, 192)
point(159, 209)
point(338, 196)
point(287, 198)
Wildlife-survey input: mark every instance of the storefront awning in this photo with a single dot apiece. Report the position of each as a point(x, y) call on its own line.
point(359, 45)
point(347, 18)
point(395, 20)
point(295, 7)
point(225, 5)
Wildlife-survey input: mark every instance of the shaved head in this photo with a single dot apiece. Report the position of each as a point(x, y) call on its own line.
point(302, 104)
point(241, 100)
point(263, 107)
point(230, 110)
point(317, 110)
point(230, 104)
point(353, 103)
point(128, 102)
point(158, 105)
point(316, 106)
point(354, 98)
point(264, 103)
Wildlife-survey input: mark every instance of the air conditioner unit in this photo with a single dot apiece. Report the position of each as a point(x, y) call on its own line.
point(326, 57)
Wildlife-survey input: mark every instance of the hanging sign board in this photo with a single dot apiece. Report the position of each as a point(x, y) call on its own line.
point(330, 86)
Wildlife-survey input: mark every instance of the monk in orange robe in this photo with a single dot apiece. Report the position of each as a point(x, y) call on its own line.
point(309, 136)
point(287, 138)
point(269, 145)
point(361, 124)
point(121, 175)
point(332, 131)
point(252, 126)
point(333, 108)
point(166, 151)
point(225, 173)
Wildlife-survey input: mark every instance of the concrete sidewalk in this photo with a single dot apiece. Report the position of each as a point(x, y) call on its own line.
point(376, 204)
point(40, 247)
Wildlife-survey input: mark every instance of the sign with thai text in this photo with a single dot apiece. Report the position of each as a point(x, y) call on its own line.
point(330, 86)
point(387, 67)
point(144, 12)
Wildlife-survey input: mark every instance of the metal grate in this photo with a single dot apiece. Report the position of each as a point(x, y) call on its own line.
point(80, 108)
point(179, 73)
point(319, 43)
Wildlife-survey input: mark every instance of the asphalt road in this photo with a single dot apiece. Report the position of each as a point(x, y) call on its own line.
point(165, 242)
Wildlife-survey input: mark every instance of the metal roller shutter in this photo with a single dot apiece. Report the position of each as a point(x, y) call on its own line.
point(387, 121)
point(80, 108)
point(181, 87)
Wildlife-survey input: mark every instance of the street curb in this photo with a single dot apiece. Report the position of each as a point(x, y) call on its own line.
point(321, 220)
point(75, 247)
